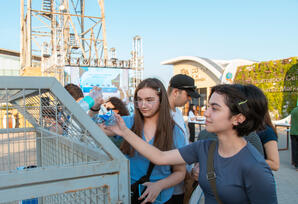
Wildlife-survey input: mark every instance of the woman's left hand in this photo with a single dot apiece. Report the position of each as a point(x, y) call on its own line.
point(151, 192)
point(119, 128)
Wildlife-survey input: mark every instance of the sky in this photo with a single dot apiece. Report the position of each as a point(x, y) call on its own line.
point(259, 30)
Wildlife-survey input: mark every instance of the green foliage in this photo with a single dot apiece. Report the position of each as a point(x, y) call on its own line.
point(279, 81)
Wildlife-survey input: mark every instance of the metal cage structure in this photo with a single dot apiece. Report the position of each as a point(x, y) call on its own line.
point(51, 151)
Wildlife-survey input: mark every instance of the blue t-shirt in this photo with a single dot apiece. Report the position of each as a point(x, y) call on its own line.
point(267, 135)
point(139, 164)
point(242, 178)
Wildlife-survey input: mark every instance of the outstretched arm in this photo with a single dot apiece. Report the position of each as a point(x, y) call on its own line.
point(152, 153)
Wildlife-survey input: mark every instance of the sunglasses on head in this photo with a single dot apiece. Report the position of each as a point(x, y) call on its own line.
point(111, 109)
point(187, 87)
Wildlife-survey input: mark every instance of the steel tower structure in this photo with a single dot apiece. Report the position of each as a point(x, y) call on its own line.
point(62, 33)
point(67, 33)
point(137, 60)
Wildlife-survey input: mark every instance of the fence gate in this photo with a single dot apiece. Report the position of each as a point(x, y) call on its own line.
point(51, 151)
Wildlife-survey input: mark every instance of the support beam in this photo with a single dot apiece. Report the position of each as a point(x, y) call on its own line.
point(29, 36)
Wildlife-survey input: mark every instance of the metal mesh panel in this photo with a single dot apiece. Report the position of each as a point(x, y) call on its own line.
point(61, 138)
point(16, 150)
point(93, 196)
point(57, 150)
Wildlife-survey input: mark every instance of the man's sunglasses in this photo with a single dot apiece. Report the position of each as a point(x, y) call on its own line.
point(108, 109)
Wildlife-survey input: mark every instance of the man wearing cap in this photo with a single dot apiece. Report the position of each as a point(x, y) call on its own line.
point(181, 89)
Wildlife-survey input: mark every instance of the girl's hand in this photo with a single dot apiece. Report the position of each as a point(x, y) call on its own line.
point(105, 130)
point(119, 128)
point(151, 192)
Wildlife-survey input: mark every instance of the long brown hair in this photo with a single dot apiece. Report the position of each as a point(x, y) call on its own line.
point(268, 122)
point(163, 138)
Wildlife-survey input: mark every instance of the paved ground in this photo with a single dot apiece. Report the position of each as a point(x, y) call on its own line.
point(287, 177)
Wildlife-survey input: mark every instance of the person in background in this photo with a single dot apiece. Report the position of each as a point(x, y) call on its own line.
point(130, 105)
point(181, 89)
point(268, 138)
point(191, 124)
point(51, 120)
point(117, 105)
point(76, 92)
point(242, 174)
point(51, 117)
point(294, 136)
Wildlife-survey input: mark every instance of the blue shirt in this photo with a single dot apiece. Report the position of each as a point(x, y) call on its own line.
point(267, 135)
point(139, 164)
point(243, 178)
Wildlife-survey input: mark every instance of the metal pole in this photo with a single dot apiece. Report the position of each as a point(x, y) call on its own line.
point(22, 45)
point(82, 21)
point(29, 36)
point(105, 47)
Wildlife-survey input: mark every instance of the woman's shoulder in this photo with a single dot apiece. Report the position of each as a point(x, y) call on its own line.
point(254, 163)
point(267, 135)
point(201, 145)
point(252, 156)
point(129, 120)
point(178, 137)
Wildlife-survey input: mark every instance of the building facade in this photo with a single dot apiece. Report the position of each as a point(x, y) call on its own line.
point(206, 73)
point(9, 63)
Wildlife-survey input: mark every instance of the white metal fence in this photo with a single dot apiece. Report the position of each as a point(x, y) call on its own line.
point(51, 151)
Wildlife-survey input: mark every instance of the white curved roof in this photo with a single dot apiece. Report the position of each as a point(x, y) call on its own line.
point(217, 67)
point(214, 68)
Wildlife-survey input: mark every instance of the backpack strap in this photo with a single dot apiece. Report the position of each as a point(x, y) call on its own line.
point(211, 176)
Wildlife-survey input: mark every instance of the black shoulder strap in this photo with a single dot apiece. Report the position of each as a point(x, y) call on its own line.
point(211, 176)
point(146, 177)
point(149, 171)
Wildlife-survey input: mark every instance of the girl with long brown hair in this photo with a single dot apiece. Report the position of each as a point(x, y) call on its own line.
point(153, 123)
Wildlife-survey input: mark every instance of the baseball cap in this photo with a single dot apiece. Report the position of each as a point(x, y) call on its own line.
point(184, 82)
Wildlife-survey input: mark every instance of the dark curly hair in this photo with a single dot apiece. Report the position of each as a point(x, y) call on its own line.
point(248, 100)
point(119, 105)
